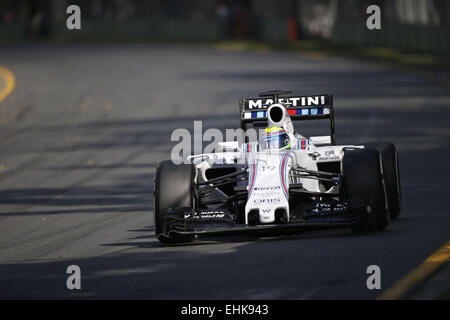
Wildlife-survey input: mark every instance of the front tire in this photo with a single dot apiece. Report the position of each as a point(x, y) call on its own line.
point(391, 171)
point(173, 189)
point(362, 178)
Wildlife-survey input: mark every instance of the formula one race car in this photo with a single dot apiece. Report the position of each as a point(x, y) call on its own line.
point(282, 182)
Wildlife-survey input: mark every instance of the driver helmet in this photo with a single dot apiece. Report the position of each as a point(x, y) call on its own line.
point(276, 138)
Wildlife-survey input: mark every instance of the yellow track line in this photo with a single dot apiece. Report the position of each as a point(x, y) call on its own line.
point(431, 264)
point(10, 82)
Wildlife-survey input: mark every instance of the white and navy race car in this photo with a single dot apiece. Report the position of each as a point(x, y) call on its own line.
point(281, 183)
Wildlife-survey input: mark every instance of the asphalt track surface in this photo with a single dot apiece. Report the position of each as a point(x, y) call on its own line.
point(81, 134)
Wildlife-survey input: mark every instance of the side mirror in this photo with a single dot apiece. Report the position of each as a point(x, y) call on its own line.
point(320, 140)
point(229, 145)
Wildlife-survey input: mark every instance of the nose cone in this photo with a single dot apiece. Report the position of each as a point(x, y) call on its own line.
point(268, 186)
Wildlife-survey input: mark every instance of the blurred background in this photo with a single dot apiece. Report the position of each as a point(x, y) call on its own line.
point(415, 25)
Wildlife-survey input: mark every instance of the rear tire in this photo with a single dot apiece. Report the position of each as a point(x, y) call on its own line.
point(391, 171)
point(173, 189)
point(362, 178)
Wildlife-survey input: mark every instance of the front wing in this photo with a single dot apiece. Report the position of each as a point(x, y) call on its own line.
point(220, 221)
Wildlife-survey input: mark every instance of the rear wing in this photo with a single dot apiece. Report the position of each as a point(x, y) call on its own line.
point(254, 110)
